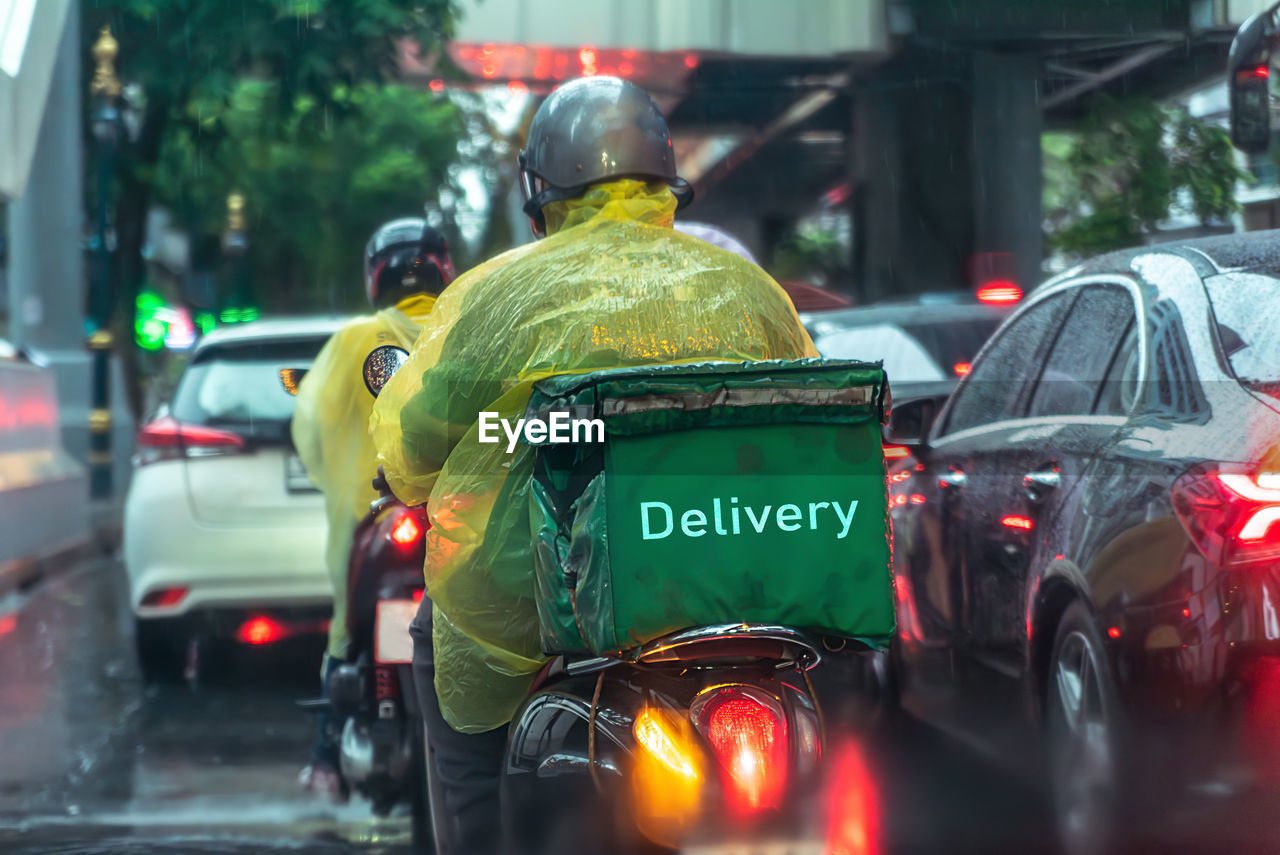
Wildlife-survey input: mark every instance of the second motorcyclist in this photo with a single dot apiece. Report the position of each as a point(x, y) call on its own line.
point(407, 264)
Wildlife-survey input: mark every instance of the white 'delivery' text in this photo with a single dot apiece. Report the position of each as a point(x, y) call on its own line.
point(658, 519)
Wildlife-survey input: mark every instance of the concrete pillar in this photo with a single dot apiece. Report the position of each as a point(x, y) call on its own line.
point(46, 260)
point(46, 266)
point(946, 173)
point(912, 176)
point(1007, 166)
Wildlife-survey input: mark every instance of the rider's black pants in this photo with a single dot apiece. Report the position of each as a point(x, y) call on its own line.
point(468, 764)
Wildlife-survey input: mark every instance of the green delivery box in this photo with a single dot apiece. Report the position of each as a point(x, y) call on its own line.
point(712, 493)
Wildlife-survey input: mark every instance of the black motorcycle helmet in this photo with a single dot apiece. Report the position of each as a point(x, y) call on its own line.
point(405, 257)
point(591, 130)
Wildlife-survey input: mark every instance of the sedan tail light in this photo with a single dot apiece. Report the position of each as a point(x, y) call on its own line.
point(999, 292)
point(1231, 513)
point(748, 735)
point(168, 439)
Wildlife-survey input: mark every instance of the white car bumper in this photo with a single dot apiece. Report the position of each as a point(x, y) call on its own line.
point(221, 566)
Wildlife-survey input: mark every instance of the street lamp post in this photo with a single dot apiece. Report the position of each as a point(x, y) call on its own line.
point(235, 243)
point(106, 125)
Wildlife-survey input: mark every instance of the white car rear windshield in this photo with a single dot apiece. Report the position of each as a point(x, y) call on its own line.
point(912, 353)
point(238, 387)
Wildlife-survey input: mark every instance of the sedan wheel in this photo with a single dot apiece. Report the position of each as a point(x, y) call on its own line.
point(1082, 744)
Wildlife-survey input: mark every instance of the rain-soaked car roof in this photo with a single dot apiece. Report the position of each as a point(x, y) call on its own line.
point(1239, 251)
point(273, 328)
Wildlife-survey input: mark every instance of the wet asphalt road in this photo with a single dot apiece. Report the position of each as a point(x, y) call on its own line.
point(94, 762)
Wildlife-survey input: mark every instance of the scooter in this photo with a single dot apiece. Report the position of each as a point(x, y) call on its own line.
point(711, 738)
point(381, 747)
point(380, 750)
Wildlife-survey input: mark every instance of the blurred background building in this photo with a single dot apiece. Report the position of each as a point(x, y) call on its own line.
point(909, 130)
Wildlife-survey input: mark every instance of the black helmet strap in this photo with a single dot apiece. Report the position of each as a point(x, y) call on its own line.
point(533, 206)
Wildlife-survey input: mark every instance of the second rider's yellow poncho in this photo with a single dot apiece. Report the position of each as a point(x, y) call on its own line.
point(331, 433)
point(612, 285)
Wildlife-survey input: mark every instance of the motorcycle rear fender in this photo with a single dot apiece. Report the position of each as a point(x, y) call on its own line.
point(378, 569)
point(549, 733)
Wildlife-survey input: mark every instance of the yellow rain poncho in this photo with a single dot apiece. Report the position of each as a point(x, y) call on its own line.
point(613, 285)
point(331, 434)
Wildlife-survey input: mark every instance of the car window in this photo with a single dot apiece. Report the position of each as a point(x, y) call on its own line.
point(1119, 390)
point(932, 350)
point(1174, 376)
point(905, 359)
point(1082, 352)
point(239, 386)
point(1246, 310)
point(995, 388)
point(954, 343)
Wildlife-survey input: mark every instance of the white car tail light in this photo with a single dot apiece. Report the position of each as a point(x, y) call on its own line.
point(168, 439)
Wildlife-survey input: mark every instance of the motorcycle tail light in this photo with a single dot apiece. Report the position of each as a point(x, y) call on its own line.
point(1231, 513)
point(407, 530)
point(668, 779)
point(169, 439)
point(748, 735)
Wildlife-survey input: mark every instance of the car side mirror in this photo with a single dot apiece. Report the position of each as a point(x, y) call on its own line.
point(1249, 78)
point(291, 378)
point(381, 365)
point(910, 422)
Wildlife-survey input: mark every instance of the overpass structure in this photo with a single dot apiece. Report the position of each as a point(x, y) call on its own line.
point(918, 119)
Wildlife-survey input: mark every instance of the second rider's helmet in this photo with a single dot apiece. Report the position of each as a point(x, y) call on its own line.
point(405, 257)
point(590, 130)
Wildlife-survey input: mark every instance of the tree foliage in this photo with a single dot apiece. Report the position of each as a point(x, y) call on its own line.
point(315, 189)
point(1130, 164)
point(813, 253)
point(229, 88)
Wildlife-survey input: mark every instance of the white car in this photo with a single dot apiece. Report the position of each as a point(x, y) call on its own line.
point(224, 534)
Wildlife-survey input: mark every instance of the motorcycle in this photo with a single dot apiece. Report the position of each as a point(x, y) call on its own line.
point(381, 746)
point(712, 738)
point(380, 750)
point(705, 739)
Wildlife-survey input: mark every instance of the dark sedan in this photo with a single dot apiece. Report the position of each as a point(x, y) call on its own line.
point(1087, 539)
